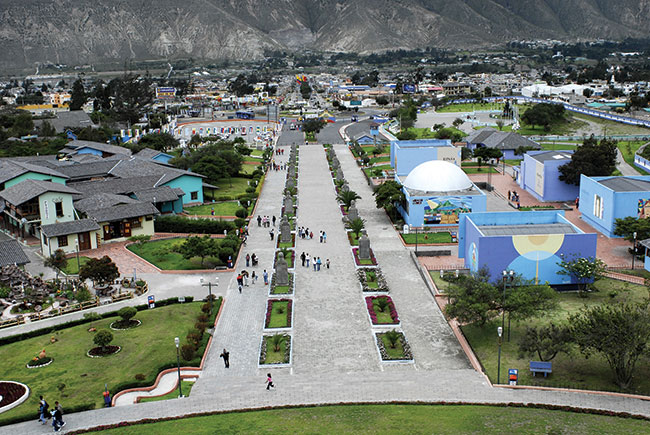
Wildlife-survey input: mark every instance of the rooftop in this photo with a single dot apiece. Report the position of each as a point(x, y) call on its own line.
point(551, 155)
point(527, 229)
point(626, 184)
point(71, 227)
point(29, 189)
point(12, 253)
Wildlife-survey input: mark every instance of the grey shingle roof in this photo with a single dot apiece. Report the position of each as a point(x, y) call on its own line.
point(124, 211)
point(157, 194)
point(147, 153)
point(625, 184)
point(10, 169)
point(116, 185)
point(12, 253)
point(28, 189)
point(74, 118)
point(84, 170)
point(106, 148)
point(528, 229)
point(102, 200)
point(134, 167)
point(71, 227)
point(501, 140)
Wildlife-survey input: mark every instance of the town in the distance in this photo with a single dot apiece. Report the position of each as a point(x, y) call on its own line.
point(414, 241)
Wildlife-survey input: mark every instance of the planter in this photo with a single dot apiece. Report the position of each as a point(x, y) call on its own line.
point(290, 244)
point(269, 358)
point(133, 323)
point(276, 290)
point(275, 319)
point(378, 284)
point(97, 352)
point(291, 261)
point(364, 262)
point(12, 394)
point(39, 362)
point(343, 212)
point(388, 317)
point(352, 240)
point(401, 353)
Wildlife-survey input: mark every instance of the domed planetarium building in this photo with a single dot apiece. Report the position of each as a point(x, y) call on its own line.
point(436, 193)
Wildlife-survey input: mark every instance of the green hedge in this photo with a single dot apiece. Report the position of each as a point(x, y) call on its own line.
point(177, 224)
point(60, 326)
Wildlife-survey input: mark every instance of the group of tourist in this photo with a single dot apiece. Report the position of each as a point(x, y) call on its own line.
point(56, 414)
point(305, 259)
point(265, 221)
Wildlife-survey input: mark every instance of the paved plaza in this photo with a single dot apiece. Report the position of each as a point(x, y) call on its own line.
point(334, 357)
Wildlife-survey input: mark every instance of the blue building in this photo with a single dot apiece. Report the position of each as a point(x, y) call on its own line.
point(605, 199)
point(436, 192)
point(530, 243)
point(506, 142)
point(539, 175)
point(405, 155)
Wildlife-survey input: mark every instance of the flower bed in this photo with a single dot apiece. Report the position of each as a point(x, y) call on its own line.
point(289, 215)
point(118, 325)
point(278, 313)
point(364, 262)
point(401, 351)
point(281, 290)
point(372, 280)
point(39, 362)
point(377, 317)
point(291, 261)
point(353, 239)
point(268, 356)
point(343, 211)
point(290, 244)
point(98, 352)
point(12, 394)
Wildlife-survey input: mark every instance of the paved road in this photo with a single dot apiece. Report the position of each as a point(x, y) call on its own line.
point(330, 133)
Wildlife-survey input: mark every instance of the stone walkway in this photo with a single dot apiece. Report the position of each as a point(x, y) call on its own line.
point(334, 355)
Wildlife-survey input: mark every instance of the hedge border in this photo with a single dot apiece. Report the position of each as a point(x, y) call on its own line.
point(549, 407)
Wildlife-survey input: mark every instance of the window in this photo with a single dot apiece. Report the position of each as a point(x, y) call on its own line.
point(45, 240)
point(136, 223)
point(59, 209)
point(598, 206)
point(63, 241)
point(194, 196)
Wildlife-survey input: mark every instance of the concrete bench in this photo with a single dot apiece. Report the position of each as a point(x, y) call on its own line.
point(545, 367)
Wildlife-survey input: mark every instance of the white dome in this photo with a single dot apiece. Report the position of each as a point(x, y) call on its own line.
point(437, 176)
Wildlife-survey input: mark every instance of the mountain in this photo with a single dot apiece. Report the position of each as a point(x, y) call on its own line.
point(101, 31)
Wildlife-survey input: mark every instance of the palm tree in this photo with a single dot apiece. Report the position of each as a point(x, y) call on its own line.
point(356, 225)
point(277, 340)
point(382, 304)
point(393, 338)
point(347, 197)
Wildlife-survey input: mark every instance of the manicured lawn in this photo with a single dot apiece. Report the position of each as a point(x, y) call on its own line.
point(537, 207)
point(71, 268)
point(285, 245)
point(390, 419)
point(160, 253)
point(380, 159)
point(353, 239)
point(273, 357)
point(383, 317)
point(280, 290)
point(144, 350)
point(550, 146)
point(370, 171)
point(371, 279)
point(469, 107)
point(186, 388)
point(247, 168)
point(479, 170)
point(397, 352)
point(422, 133)
point(257, 153)
point(441, 284)
point(568, 370)
point(279, 319)
point(426, 238)
point(628, 150)
point(226, 208)
point(613, 127)
point(230, 187)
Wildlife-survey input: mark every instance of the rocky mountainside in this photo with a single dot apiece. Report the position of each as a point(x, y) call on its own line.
point(98, 31)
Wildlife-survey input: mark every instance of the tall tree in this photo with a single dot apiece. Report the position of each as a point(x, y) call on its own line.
point(545, 341)
point(585, 270)
point(201, 247)
point(56, 261)
point(591, 159)
point(99, 270)
point(472, 300)
point(78, 97)
point(387, 195)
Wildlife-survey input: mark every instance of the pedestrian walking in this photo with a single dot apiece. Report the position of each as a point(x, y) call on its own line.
point(273, 220)
point(253, 277)
point(311, 235)
point(266, 277)
point(320, 236)
point(212, 211)
point(57, 417)
point(259, 220)
point(302, 258)
point(327, 263)
point(324, 237)
point(269, 381)
point(307, 260)
point(248, 260)
point(272, 234)
point(226, 357)
point(43, 411)
point(244, 274)
point(313, 262)
point(318, 263)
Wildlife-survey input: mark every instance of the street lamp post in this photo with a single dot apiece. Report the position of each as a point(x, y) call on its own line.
point(500, 333)
point(76, 245)
point(508, 276)
point(209, 285)
point(177, 342)
point(633, 249)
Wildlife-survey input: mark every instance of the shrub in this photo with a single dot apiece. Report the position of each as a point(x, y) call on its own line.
point(239, 222)
point(201, 326)
point(202, 318)
point(225, 252)
point(250, 189)
point(187, 352)
point(205, 308)
point(127, 313)
point(194, 337)
point(103, 338)
point(177, 224)
point(241, 213)
point(140, 377)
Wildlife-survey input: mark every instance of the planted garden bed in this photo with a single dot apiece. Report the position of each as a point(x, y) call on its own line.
point(424, 238)
point(120, 325)
point(393, 346)
point(39, 362)
point(353, 239)
point(275, 349)
point(98, 352)
point(278, 313)
point(289, 214)
point(290, 258)
point(281, 289)
point(12, 394)
point(372, 261)
point(287, 245)
point(372, 280)
point(381, 310)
